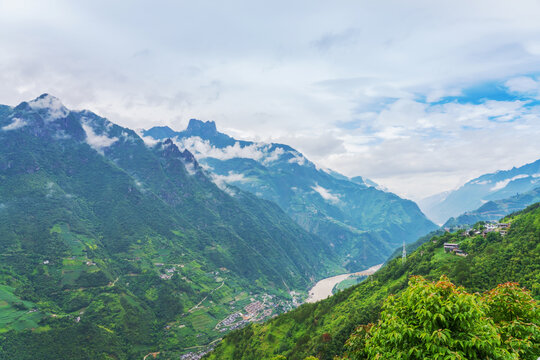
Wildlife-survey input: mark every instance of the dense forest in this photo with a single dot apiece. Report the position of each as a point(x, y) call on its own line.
point(113, 248)
point(366, 320)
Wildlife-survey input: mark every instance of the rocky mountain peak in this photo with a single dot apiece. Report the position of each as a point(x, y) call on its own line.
point(171, 150)
point(202, 128)
point(50, 106)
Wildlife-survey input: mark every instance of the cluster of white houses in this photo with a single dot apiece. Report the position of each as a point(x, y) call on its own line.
point(501, 228)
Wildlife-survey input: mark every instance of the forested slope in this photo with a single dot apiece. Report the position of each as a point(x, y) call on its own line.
point(112, 248)
point(321, 329)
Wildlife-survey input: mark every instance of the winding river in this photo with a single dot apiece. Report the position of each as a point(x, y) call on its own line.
point(323, 288)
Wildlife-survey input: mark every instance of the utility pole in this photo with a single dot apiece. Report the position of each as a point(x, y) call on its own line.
point(403, 254)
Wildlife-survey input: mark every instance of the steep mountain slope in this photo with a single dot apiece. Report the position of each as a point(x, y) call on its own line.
point(494, 210)
point(321, 329)
point(112, 248)
point(363, 224)
point(488, 187)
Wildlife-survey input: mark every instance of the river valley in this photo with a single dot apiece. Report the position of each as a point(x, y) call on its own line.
point(323, 288)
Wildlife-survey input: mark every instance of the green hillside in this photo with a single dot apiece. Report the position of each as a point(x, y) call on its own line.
point(110, 248)
point(322, 329)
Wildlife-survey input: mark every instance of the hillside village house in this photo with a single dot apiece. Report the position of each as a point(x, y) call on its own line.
point(454, 248)
point(449, 247)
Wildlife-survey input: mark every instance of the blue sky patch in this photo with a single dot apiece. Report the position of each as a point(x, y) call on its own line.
point(485, 91)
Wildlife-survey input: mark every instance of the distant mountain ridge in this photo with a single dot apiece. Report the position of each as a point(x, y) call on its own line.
point(489, 187)
point(362, 223)
point(494, 210)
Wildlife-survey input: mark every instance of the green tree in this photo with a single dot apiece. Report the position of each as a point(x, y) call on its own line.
point(356, 344)
point(436, 321)
point(517, 317)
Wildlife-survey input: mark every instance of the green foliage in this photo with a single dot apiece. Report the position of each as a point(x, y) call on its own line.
point(491, 261)
point(439, 320)
point(434, 320)
point(517, 317)
point(84, 231)
point(356, 344)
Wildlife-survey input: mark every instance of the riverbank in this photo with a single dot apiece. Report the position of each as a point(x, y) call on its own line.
point(323, 288)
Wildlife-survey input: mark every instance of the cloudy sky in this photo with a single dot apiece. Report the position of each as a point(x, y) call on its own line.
point(419, 96)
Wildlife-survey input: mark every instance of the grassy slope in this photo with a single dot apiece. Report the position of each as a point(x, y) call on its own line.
point(492, 260)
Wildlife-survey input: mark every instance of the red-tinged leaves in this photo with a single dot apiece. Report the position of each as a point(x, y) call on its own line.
point(441, 321)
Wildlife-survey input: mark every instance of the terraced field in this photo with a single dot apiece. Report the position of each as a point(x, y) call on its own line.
point(16, 314)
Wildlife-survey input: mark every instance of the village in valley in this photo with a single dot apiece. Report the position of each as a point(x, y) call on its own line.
point(256, 310)
point(259, 307)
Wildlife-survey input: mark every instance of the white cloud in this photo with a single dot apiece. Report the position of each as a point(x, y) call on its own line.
point(16, 124)
point(228, 190)
point(223, 181)
point(54, 108)
point(61, 135)
point(525, 85)
point(326, 194)
point(126, 136)
point(190, 168)
point(206, 167)
point(231, 177)
point(148, 140)
point(203, 149)
point(501, 184)
point(272, 156)
point(483, 182)
point(440, 146)
point(299, 159)
point(97, 142)
point(314, 143)
point(333, 77)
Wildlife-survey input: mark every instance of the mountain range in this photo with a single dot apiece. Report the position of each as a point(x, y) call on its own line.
point(494, 210)
point(362, 223)
point(475, 193)
point(122, 244)
point(112, 248)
